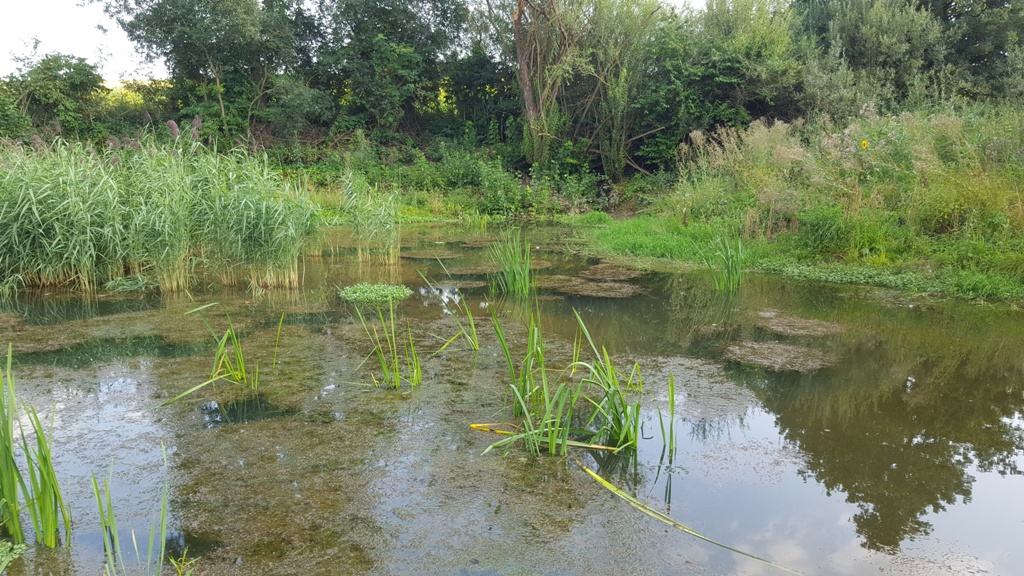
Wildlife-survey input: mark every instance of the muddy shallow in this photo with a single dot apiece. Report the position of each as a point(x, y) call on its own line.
point(903, 458)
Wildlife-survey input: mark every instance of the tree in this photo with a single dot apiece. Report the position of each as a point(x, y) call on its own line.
point(225, 56)
point(58, 93)
point(982, 36)
point(382, 58)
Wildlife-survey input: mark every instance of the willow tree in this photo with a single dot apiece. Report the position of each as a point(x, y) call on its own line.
point(547, 36)
point(606, 117)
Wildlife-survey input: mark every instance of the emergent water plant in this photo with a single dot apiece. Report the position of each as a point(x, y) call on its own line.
point(42, 496)
point(725, 265)
point(512, 255)
point(390, 352)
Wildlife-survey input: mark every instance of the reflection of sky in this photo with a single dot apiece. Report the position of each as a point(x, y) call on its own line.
point(751, 497)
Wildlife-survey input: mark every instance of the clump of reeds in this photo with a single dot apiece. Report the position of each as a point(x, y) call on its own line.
point(42, 496)
point(546, 402)
point(74, 216)
point(512, 255)
point(390, 351)
point(725, 265)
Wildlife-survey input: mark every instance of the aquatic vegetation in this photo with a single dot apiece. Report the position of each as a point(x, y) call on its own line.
point(365, 293)
point(669, 439)
point(459, 310)
point(391, 354)
point(9, 552)
point(46, 508)
point(10, 477)
point(512, 255)
point(75, 216)
point(546, 406)
point(43, 500)
point(725, 265)
point(663, 517)
point(229, 363)
point(114, 554)
point(616, 420)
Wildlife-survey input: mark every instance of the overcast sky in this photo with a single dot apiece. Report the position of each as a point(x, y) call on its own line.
point(69, 27)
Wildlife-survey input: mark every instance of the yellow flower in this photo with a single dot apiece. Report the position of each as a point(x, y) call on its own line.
point(864, 144)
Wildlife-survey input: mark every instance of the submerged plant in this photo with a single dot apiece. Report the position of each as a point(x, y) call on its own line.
point(663, 517)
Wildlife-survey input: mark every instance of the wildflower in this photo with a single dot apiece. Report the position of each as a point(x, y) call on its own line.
point(864, 144)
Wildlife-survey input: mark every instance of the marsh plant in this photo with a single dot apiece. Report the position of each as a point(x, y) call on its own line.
point(392, 349)
point(74, 216)
point(555, 413)
point(41, 492)
point(229, 360)
point(725, 264)
point(512, 256)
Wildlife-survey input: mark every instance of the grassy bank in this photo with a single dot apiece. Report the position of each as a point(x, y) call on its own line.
point(923, 202)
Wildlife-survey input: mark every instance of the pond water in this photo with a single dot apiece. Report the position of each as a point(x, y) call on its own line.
point(829, 429)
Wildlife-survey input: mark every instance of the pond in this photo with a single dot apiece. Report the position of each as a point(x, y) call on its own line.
point(828, 429)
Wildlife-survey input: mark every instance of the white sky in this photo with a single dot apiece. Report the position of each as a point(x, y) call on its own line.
point(68, 27)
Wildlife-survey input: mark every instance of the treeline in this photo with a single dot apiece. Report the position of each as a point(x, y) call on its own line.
point(562, 87)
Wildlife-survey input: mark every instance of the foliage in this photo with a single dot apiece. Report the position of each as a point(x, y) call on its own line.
point(374, 293)
point(76, 216)
point(42, 496)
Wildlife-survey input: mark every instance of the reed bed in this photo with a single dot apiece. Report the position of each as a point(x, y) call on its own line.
point(76, 217)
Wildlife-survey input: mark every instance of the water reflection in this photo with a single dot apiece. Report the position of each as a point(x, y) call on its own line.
point(902, 423)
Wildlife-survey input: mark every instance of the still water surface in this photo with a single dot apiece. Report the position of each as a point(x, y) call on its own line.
point(901, 454)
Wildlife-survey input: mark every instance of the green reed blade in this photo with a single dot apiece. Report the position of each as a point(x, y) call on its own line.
point(663, 517)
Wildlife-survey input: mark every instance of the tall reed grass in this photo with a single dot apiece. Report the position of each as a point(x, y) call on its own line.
point(76, 217)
